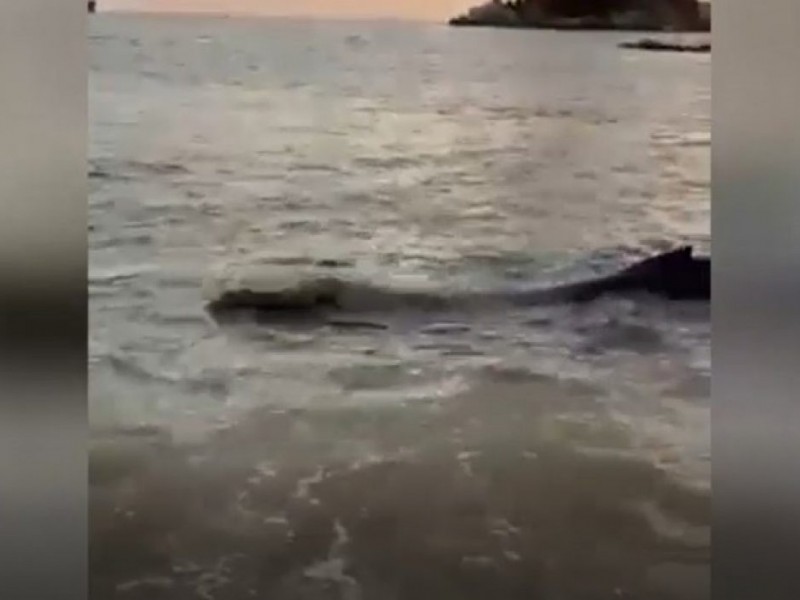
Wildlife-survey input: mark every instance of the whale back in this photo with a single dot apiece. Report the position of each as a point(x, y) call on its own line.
point(676, 274)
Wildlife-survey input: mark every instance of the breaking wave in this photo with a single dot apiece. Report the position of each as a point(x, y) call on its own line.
point(297, 291)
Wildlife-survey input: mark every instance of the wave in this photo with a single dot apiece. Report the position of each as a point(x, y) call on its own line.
point(113, 275)
point(107, 169)
point(566, 479)
point(297, 291)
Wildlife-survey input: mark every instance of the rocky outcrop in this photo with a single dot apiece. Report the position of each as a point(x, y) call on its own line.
point(493, 13)
point(643, 15)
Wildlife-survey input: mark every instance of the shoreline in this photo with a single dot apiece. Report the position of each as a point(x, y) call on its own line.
point(462, 22)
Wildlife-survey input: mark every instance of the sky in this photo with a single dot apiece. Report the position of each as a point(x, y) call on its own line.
point(405, 9)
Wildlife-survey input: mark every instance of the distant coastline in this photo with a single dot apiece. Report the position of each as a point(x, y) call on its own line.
point(626, 15)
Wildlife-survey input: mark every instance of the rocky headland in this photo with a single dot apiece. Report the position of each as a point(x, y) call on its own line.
point(632, 15)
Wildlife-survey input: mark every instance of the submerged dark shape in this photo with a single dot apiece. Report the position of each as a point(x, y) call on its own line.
point(673, 275)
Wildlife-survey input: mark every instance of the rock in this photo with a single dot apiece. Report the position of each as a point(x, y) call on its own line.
point(493, 14)
point(664, 46)
point(643, 15)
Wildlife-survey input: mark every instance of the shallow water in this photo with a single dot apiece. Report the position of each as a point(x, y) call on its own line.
point(550, 452)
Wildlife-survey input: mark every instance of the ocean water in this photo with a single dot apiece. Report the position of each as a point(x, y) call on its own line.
point(552, 453)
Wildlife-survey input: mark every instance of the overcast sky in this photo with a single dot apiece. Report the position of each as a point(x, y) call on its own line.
point(417, 9)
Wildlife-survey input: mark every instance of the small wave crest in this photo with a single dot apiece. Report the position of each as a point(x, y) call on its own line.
point(108, 169)
point(305, 290)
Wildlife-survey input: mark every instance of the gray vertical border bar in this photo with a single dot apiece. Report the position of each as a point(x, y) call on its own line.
point(43, 193)
point(756, 297)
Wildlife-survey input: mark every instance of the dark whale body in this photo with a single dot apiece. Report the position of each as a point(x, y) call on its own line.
point(672, 275)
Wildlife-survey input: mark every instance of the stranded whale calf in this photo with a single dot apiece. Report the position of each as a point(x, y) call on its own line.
point(673, 275)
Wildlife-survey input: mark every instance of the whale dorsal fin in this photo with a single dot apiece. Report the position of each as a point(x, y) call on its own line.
point(654, 265)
